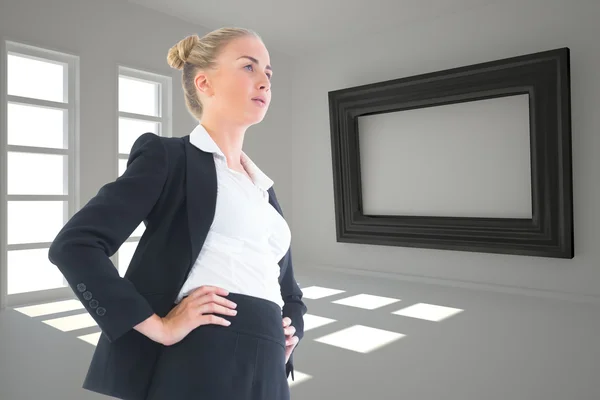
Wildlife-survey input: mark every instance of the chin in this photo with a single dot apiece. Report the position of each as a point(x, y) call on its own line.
point(255, 118)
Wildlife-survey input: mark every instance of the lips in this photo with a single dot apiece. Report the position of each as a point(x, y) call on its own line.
point(260, 99)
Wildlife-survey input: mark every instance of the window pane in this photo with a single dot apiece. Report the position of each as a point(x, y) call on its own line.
point(36, 126)
point(38, 79)
point(122, 166)
point(30, 270)
point(125, 254)
point(34, 221)
point(138, 96)
point(131, 129)
point(36, 173)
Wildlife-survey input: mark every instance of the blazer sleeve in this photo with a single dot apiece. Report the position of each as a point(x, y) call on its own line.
point(293, 306)
point(82, 248)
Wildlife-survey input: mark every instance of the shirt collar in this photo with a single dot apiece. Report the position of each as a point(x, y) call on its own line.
point(202, 140)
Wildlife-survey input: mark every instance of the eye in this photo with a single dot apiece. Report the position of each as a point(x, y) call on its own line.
point(250, 65)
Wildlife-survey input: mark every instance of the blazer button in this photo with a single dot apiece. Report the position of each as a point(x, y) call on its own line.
point(94, 303)
point(100, 311)
point(87, 295)
point(81, 287)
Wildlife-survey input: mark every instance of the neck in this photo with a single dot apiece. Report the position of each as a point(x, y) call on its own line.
point(229, 138)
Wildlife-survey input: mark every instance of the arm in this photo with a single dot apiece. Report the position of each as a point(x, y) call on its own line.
point(83, 247)
point(293, 308)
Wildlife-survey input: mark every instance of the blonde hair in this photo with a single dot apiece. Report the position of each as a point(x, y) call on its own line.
point(193, 54)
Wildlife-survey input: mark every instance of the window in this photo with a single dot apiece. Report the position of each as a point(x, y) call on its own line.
point(38, 142)
point(144, 106)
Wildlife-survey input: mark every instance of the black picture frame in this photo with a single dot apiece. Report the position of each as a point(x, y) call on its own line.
point(545, 77)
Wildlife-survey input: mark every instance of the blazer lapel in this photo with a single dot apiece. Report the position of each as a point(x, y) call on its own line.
point(201, 194)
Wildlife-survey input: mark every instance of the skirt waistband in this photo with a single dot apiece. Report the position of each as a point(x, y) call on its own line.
point(255, 316)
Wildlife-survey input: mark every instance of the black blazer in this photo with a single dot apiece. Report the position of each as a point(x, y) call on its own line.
point(171, 186)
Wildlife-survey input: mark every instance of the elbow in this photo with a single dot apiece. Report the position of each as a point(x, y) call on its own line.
point(58, 249)
point(55, 251)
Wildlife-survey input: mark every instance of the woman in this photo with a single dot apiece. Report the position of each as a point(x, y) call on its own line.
point(209, 307)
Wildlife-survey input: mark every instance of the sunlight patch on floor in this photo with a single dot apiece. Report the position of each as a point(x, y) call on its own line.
point(360, 338)
point(72, 322)
point(50, 308)
point(318, 292)
point(314, 321)
point(299, 377)
point(429, 312)
point(92, 338)
point(366, 301)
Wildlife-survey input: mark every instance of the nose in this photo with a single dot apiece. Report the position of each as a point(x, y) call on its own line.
point(265, 83)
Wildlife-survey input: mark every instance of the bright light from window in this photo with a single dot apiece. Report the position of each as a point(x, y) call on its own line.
point(30, 270)
point(92, 338)
point(41, 174)
point(37, 79)
point(40, 126)
point(34, 221)
point(122, 166)
point(359, 338)
point(314, 321)
point(131, 129)
point(138, 96)
point(125, 255)
point(428, 312)
point(366, 301)
point(299, 377)
point(317, 292)
point(36, 126)
point(72, 323)
point(50, 308)
point(139, 231)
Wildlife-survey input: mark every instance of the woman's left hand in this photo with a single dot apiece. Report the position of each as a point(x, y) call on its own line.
point(290, 340)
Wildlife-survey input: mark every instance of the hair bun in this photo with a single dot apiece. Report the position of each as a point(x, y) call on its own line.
point(179, 53)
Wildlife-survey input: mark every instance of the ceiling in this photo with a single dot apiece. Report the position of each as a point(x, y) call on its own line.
point(301, 27)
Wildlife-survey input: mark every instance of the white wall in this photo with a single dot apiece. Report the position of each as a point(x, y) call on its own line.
point(504, 29)
point(107, 33)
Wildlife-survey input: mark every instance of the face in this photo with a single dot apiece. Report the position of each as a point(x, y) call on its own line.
point(242, 73)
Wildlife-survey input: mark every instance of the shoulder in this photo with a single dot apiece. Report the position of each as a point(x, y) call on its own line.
point(172, 144)
point(162, 151)
point(169, 146)
point(174, 148)
point(147, 145)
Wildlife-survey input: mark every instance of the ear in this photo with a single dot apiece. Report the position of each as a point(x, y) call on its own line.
point(203, 84)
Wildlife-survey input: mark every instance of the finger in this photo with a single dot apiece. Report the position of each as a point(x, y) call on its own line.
point(214, 308)
point(289, 349)
point(203, 290)
point(286, 321)
point(291, 342)
point(290, 330)
point(214, 298)
point(214, 320)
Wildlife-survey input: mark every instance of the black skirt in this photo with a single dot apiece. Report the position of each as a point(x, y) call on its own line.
point(243, 361)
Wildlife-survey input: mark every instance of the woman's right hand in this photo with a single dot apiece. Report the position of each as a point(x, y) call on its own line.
point(195, 310)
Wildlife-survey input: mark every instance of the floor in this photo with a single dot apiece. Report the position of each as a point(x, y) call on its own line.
point(365, 337)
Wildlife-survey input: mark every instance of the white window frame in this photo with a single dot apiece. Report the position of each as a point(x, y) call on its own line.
point(72, 152)
point(165, 116)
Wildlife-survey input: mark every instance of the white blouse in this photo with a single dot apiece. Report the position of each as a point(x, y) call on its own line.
point(247, 238)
